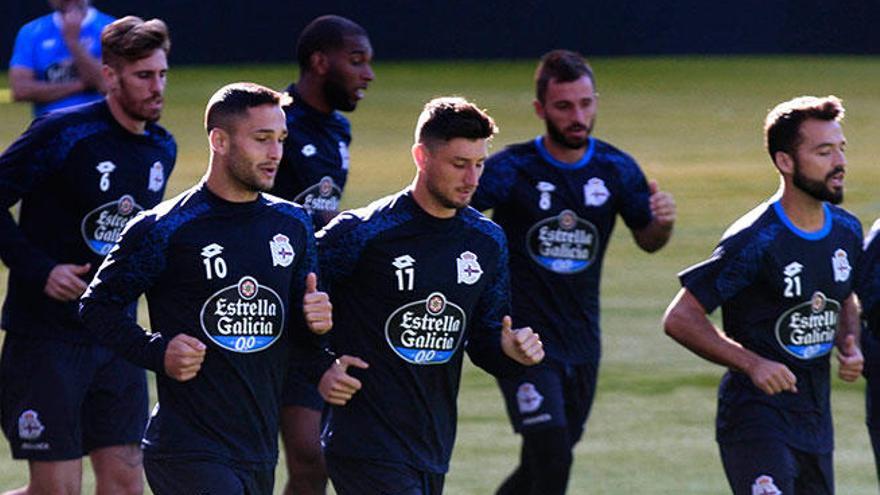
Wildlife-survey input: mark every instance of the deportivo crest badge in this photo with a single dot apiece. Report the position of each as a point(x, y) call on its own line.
point(469, 269)
point(764, 485)
point(840, 263)
point(157, 177)
point(528, 398)
point(29, 425)
point(595, 192)
point(282, 251)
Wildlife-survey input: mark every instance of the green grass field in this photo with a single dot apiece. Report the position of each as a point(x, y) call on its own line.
point(695, 125)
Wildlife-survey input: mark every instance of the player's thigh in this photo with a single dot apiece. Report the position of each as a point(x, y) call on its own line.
point(579, 393)
point(115, 409)
point(42, 387)
point(815, 474)
point(753, 466)
point(535, 400)
point(176, 476)
point(368, 477)
point(301, 435)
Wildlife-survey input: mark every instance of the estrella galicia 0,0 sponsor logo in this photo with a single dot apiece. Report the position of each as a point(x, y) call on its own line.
point(807, 330)
point(102, 226)
point(245, 317)
point(323, 196)
point(564, 243)
point(427, 331)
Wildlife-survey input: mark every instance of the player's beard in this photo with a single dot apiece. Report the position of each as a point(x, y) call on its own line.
point(442, 198)
point(558, 136)
point(815, 188)
point(136, 109)
point(246, 173)
point(337, 95)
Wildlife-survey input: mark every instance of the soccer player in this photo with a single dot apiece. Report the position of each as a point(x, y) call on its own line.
point(229, 276)
point(334, 56)
point(783, 275)
point(419, 277)
point(56, 60)
point(869, 294)
point(557, 198)
point(81, 174)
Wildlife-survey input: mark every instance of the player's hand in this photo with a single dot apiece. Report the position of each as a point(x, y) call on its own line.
point(316, 307)
point(772, 377)
point(851, 360)
point(65, 282)
point(183, 357)
point(337, 387)
point(71, 24)
point(522, 345)
point(662, 205)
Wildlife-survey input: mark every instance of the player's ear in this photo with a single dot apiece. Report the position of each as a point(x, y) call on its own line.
point(319, 63)
point(219, 140)
point(419, 154)
point(108, 73)
point(539, 109)
point(784, 162)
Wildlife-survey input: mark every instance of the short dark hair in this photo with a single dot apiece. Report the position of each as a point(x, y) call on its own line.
point(327, 32)
point(783, 124)
point(562, 66)
point(234, 100)
point(450, 117)
point(131, 38)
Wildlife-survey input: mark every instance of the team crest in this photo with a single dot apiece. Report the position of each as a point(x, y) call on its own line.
point(595, 192)
point(545, 188)
point(282, 251)
point(29, 425)
point(343, 154)
point(840, 263)
point(157, 177)
point(309, 150)
point(469, 270)
point(764, 485)
point(528, 398)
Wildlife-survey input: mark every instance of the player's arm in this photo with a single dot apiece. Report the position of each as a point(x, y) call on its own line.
point(847, 341)
point(23, 165)
point(656, 234)
point(686, 322)
point(25, 86)
point(126, 273)
point(492, 343)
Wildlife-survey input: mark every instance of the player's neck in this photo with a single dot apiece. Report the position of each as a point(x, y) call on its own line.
point(563, 153)
point(309, 89)
point(225, 187)
point(804, 211)
point(130, 124)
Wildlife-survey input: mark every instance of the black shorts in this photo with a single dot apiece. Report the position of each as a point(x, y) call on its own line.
point(173, 476)
point(551, 394)
point(772, 467)
point(299, 391)
point(352, 476)
point(61, 400)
